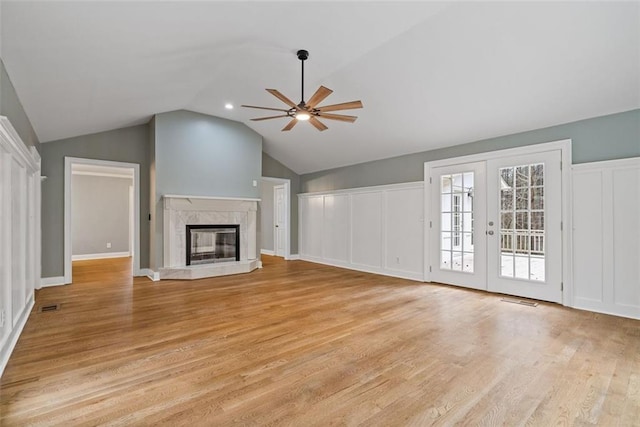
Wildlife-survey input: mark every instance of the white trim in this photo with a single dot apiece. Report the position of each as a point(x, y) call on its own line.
point(567, 238)
point(28, 264)
point(259, 264)
point(14, 144)
point(174, 196)
point(367, 269)
point(267, 252)
point(287, 211)
point(47, 282)
point(373, 189)
point(10, 344)
point(105, 174)
point(103, 255)
point(68, 166)
point(507, 152)
point(293, 257)
point(618, 164)
point(152, 275)
point(596, 307)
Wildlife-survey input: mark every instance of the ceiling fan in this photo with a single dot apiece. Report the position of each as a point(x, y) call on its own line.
point(309, 110)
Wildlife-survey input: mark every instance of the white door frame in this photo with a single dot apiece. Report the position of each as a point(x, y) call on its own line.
point(565, 147)
point(68, 194)
point(287, 212)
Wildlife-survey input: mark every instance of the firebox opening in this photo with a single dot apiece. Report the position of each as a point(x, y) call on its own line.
point(211, 243)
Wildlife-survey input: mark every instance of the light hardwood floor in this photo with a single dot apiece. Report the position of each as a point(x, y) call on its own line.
point(304, 344)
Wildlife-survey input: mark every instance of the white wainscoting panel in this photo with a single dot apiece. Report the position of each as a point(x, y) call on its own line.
point(311, 216)
point(404, 215)
point(606, 237)
point(366, 229)
point(20, 240)
point(335, 233)
point(373, 229)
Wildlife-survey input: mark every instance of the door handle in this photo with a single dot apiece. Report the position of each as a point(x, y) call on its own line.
point(490, 232)
point(276, 225)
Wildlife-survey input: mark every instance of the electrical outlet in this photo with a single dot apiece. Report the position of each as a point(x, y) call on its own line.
point(108, 245)
point(2, 316)
point(255, 183)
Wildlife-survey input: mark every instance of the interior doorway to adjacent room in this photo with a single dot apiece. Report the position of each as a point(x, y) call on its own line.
point(101, 212)
point(274, 217)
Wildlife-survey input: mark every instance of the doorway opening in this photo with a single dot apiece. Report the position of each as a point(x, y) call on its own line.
point(102, 214)
point(275, 221)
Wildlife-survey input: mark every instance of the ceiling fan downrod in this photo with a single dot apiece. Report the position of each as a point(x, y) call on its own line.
point(303, 55)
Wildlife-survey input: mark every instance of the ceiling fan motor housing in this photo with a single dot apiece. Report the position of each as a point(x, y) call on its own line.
point(303, 55)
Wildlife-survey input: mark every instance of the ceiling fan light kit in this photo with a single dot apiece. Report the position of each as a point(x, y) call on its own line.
point(309, 111)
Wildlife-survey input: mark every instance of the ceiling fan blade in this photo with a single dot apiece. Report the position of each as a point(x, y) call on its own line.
point(319, 96)
point(344, 106)
point(268, 118)
point(341, 117)
point(317, 124)
point(290, 125)
point(265, 108)
point(282, 98)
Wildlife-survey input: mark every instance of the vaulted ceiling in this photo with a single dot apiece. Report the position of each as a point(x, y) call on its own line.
point(429, 74)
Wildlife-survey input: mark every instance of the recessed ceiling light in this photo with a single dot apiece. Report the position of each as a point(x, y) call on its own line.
point(228, 106)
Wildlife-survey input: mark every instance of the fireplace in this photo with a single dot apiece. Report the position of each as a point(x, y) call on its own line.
point(223, 216)
point(211, 243)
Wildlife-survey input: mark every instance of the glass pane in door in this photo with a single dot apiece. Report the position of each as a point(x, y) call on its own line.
point(456, 224)
point(522, 233)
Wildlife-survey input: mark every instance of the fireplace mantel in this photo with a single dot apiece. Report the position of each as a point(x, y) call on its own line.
point(183, 210)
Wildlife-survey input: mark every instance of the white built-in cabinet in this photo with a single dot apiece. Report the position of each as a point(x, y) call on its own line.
point(374, 229)
point(606, 237)
point(19, 235)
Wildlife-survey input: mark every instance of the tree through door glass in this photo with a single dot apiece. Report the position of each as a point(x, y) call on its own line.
point(522, 242)
point(456, 222)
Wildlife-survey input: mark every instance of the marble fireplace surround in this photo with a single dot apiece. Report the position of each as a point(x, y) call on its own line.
point(180, 211)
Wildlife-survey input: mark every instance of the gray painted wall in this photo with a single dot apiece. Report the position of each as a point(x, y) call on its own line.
point(129, 145)
point(266, 215)
point(100, 212)
point(609, 137)
point(11, 108)
point(272, 168)
point(200, 155)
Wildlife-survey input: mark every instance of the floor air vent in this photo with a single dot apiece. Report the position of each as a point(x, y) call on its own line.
point(521, 302)
point(50, 307)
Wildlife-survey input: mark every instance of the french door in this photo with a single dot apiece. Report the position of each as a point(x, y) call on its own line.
point(458, 240)
point(496, 225)
point(525, 226)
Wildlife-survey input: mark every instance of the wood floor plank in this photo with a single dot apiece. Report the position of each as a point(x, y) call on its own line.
point(297, 343)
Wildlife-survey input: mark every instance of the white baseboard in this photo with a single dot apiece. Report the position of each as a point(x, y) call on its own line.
point(267, 252)
point(152, 275)
point(630, 312)
point(259, 264)
point(10, 344)
point(100, 256)
point(409, 275)
point(46, 282)
point(293, 257)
